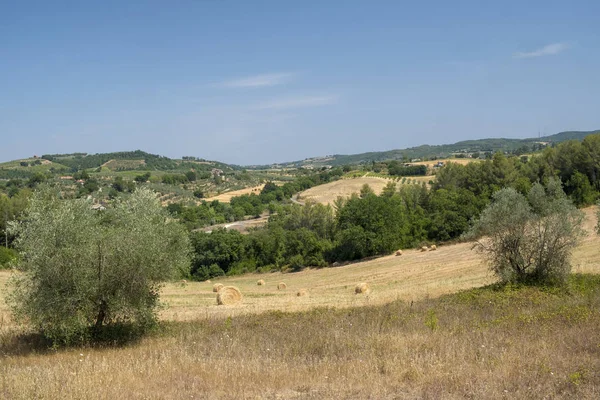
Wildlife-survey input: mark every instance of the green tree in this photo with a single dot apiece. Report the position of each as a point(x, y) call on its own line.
point(529, 239)
point(85, 270)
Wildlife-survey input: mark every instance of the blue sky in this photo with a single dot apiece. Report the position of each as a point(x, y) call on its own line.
point(254, 82)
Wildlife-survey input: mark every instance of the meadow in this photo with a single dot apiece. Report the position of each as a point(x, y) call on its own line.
point(433, 326)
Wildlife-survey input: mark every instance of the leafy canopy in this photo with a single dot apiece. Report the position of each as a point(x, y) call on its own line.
point(529, 239)
point(85, 269)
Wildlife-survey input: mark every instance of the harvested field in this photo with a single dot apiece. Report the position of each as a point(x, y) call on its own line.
point(328, 192)
point(226, 197)
point(488, 343)
point(461, 161)
point(414, 276)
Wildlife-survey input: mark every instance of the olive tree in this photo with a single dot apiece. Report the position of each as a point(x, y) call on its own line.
point(529, 239)
point(84, 269)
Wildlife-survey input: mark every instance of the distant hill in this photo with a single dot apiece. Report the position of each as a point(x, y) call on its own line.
point(442, 151)
point(131, 160)
point(110, 162)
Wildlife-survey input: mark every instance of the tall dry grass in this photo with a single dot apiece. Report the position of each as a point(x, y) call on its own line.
point(483, 343)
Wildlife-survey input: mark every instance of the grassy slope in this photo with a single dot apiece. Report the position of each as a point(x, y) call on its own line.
point(483, 343)
point(444, 150)
point(403, 341)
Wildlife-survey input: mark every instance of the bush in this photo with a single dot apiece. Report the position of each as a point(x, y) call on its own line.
point(85, 270)
point(529, 239)
point(6, 256)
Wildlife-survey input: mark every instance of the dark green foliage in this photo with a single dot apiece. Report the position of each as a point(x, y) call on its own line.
point(142, 178)
point(174, 179)
point(397, 169)
point(79, 161)
point(6, 256)
point(221, 248)
point(121, 185)
point(529, 239)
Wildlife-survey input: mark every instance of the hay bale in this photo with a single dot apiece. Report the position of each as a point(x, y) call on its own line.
point(361, 288)
point(424, 248)
point(399, 252)
point(302, 292)
point(207, 281)
point(229, 295)
point(260, 282)
point(281, 286)
point(217, 287)
point(433, 247)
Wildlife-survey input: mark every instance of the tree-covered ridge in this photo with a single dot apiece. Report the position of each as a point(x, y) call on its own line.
point(441, 151)
point(80, 161)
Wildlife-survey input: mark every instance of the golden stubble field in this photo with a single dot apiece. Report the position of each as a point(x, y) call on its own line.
point(413, 276)
point(227, 196)
point(327, 193)
point(501, 345)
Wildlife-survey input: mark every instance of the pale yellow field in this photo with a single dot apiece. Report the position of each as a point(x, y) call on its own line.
point(461, 161)
point(413, 276)
point(328, 192)
point(226, 197)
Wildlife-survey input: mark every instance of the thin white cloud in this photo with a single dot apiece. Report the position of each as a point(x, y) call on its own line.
point(297, 102)
point(259, 80)
point(548, 50)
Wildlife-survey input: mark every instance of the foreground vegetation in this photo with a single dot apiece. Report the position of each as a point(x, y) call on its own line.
point(493, 342)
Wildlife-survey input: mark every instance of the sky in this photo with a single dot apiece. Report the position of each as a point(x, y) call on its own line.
point(258, 82)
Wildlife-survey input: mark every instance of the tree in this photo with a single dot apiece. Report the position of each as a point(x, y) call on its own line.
point(86, 270)
point(529, 239)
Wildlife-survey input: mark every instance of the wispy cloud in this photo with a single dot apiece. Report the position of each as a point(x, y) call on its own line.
point(259, 80)
point(297, 102)
point(548, 50)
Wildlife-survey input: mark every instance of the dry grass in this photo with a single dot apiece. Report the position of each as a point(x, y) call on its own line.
point(226, 197)
point(229, 295)
point(461, 161)
point(217, 287)
point(328, 192)
point(480, 344)
point(483, 343)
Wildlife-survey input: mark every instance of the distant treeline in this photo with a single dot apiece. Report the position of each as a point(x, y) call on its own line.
point(79, 161)
point(398, 169)
point(269, 199)
point(369, 225)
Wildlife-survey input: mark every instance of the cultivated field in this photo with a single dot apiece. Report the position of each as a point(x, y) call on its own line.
point(226, 197)
point(413, 276)
point(502, 344)
point(327, 193)
point(461, 161)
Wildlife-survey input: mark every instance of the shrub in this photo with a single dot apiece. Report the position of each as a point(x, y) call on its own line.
point(529, 239)
point(6, 256)
point(85, 270)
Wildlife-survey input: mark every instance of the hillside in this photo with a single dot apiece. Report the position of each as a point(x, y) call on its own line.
point(444, 150)
point(401, 339)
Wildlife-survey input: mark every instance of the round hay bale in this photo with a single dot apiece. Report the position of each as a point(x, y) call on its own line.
point(424, 248)
point(302, 292)
point(217, 287)
point(207, 281)
point(433, 247)
point(361, 288)
point(229, 295)
point(399, 252)
point(281, 286)
point(260, 282)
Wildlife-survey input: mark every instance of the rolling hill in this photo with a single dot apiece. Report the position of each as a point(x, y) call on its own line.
point(441, 151)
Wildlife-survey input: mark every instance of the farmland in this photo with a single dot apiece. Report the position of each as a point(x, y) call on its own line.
point(327, 193)
point(399, 340)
